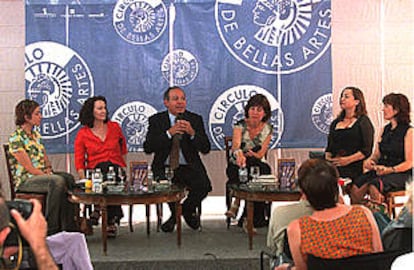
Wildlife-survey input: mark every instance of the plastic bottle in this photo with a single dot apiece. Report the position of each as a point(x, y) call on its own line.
point(150, 178)
point(111, 175)
point(88, 182)
point(243, 175)
point(97, 181)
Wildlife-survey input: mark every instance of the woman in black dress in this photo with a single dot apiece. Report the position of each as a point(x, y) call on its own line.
point(391, 164)
point(350, 138)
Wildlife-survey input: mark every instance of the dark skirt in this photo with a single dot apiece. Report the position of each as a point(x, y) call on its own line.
point(384, 183)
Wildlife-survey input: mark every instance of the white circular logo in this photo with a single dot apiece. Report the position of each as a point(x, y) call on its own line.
point(133, 119)
point(275, 36)
point(140, 21)
point(229, 108)
point(60, 81)
point(322, 113)
point(185, 67)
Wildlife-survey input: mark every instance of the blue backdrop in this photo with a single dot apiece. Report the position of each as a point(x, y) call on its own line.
point(220, 52)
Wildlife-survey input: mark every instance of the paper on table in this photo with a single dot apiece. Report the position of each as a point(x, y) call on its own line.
point(81, 181)
point(266, 178)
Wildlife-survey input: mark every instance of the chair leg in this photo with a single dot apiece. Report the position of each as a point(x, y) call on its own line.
point(391, 206)
point(131, 228)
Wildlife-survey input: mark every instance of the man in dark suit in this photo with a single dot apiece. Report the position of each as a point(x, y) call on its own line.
point(188, 127)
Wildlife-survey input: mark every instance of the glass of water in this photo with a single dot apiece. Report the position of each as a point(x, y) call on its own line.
point(169, 174)
point(121, 175)
point(255, 172)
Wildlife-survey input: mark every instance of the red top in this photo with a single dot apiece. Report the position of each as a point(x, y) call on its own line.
point(346, 236)
point(91, 150)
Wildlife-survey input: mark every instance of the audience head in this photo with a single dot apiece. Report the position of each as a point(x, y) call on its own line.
point(258, 100)
point(175, 100)
point(400, 105)
point(318, 180)
point(86, 115)
point(357, 94)
point(24, 111)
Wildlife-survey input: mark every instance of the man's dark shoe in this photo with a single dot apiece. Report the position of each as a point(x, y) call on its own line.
point(192, 220)
point(169, 225)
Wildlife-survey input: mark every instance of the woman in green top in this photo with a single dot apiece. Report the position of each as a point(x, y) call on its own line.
point(33, 172)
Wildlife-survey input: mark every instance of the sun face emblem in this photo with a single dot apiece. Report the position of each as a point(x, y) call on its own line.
point(136, 129)
point(140, 22)
point(51, 88)
point(184, 66)
point(275, 36)
point(59, 80)
point(142, 17)
point(279, 21)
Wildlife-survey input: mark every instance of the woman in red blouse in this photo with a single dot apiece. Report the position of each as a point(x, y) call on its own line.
point(100, 144)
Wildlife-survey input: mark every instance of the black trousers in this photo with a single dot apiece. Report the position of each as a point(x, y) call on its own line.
point(197, 184)
point(115, 213)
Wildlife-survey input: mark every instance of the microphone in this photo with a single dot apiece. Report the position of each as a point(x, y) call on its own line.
point(180, 116)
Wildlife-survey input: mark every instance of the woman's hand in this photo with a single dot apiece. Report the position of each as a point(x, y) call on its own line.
point(340, 161)
point(382, 170)
point(240, 159)
point(370, 164)
point(250, 153)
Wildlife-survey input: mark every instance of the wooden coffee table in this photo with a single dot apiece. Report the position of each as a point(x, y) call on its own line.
point(158, 196)
point(261, 194)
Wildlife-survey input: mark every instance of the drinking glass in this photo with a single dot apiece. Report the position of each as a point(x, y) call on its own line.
point(169, 174)
point(88, 173)
point(255, 172)
point(121, 175)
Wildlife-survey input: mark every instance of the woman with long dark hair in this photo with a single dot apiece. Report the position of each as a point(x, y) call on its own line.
point(391, 164)
point(351, 135)
point(100, 143)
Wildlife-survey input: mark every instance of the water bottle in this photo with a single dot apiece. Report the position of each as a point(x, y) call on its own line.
point(150, 178)
point(243, 175)
point(97, 181)
point(88, 182)
point(111, 175)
